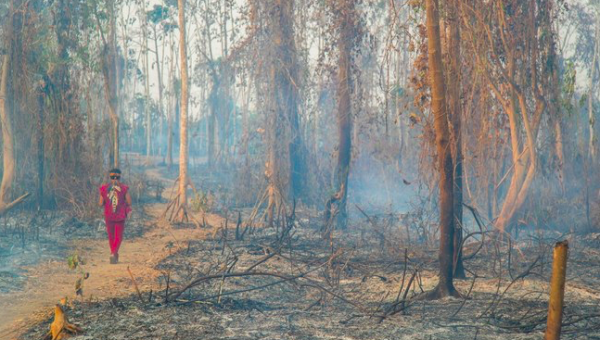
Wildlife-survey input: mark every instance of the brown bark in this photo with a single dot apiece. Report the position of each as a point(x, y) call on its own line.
point(511, 93)
point(289, 97)
point(560, 155)
point(109, 70)
point(8, 153)
point(557, 291)
point(555, 109)
point(455, 113)
point(346, 23)
point(278, 157)
point(183, 142)
point(445, 285)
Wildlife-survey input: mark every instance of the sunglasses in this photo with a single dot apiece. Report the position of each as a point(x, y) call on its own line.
point(115, 177)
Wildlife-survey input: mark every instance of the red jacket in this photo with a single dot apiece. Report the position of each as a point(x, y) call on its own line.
point(121, 210)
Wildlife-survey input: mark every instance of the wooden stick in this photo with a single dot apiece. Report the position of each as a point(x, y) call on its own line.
point(135, 285)
point(557, 291)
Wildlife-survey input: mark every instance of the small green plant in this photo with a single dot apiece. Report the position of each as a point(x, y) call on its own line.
point(76, 262)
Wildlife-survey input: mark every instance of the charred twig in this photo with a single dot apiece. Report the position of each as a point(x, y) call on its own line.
point(137, 289)
point(262, 260)
point(393, 308)
point(307, 282)
point(238, 234)
point(466, 296)
point(375, 227)
point(168, 281)
point(242, 274)
point(499, 297)
point(479, 224)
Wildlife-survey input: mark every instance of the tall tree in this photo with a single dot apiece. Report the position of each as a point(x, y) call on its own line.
point(285, 169)
point(445, 285)
point(346, 24)
point(512, 75)
point(287, 85)
point(455, 114)
point(8, 147)
point(173, 107)
point(147, 100)
point(109, 70)
point(183, 141)
point(591, 118)
point(277, 106)
point(156, 16)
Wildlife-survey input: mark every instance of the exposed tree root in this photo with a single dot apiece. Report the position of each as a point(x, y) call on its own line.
point(177, 211)
point(5, 207)
point(440, 292)
point(60, 327)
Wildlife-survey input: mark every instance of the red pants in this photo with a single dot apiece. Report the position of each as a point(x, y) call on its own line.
point(115, 235)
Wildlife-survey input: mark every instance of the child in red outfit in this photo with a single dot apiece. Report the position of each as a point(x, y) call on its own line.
point(116, 200)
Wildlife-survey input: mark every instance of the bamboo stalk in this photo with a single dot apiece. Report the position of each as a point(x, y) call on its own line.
point(557, 291)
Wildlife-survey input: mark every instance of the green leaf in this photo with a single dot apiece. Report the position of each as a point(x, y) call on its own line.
point(73, 261)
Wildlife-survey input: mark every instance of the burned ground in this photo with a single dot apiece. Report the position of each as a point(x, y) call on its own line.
point(289, 282)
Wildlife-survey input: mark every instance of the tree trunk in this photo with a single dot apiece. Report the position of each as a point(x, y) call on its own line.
point(8, 153)
point(278, 106)
point(445, 285)
point(524, 161)
point(346, 44)
point(211, 137)
point(591, 150)
point(555, 113)
point(288, 87)
point(455, 112)
point(183, 141)
point(8, 159)
point(146, 83)
point(560, 155)
point(172, 108)
point(109, 70)
point(160, 85)
point(40, 147)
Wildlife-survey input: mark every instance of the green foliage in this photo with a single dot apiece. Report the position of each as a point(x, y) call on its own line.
point(158, 14)
point(75, 262)
point(568, 87)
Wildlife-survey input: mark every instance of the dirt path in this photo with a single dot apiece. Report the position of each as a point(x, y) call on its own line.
point(49, 282)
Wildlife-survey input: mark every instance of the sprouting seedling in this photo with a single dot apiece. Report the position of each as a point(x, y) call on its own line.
point(75, 262)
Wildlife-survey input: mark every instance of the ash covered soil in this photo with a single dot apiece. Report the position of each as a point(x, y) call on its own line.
point(366, 287)
point(229, 277)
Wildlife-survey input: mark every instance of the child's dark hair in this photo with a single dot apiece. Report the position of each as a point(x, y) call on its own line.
point(115, 171)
